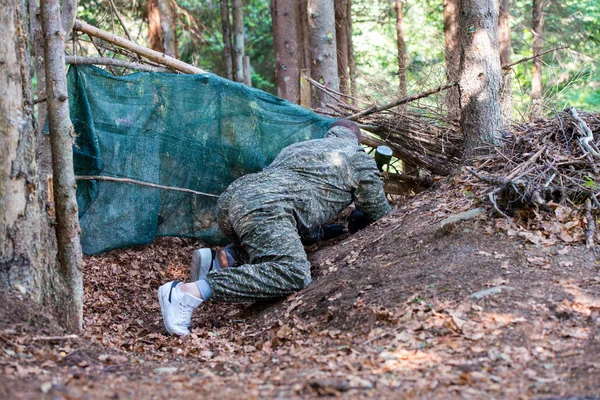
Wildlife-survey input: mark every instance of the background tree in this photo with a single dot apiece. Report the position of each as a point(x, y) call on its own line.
point(342, 34)
point(323, 52)
point(480, 74)
point(237, 13)
point(401, 48)
point(537, 25)
point(162, 32)
point(286, 41)
point(452, 54)
point(505, 50)
point(226, 33)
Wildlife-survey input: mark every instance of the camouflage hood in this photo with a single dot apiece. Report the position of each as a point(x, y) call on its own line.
point(342, 133)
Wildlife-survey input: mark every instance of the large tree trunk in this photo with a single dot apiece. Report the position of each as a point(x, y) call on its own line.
point(162, 34)
point(537, 25)
point(342, 43)
point(286, 41)
point(452, 44)
point(61, 140)
point(480, 74)
point(401, 48)
point(238, 40)
point(27, 253)
point(304, 34)
point(321, 15)
point(226, 31)
point(505, 50)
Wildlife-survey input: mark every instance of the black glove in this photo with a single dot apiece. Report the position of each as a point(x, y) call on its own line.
point(357, 221)
point(333, 230)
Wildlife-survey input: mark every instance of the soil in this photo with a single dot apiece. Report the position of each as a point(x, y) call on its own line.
point(394, 311)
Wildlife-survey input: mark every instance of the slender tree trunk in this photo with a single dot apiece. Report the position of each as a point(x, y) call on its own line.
point(304, 34)
point(226, 30)
point(61, 138)
point(68, 13)
point(323, 53)
point(351, 58)
point(401, 48)
point(286, 41)
point(452, 53)
point(342, 38)
point(505, 50)
point(238, 40)
point(168, 27)
point(155, 36)
point(537, 26)
point(481, 75)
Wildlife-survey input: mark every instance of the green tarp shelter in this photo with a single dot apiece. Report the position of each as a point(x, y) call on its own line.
point(197, 132)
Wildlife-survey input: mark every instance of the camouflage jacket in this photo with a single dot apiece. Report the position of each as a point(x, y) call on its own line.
point(317, 179)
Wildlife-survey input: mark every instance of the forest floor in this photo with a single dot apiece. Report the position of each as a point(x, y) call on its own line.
point(399, 310)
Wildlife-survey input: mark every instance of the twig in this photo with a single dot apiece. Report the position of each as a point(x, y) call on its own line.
point(492, 197)
point(136, 48)
point(54, 338)
point(522, 60)
point(374, 109)
point(112, 62)
point(526, 164)
point(585, 131)
point(486, 179)
point(591, 228)
point(327, 89)
point(114, 9)
point(135, 182)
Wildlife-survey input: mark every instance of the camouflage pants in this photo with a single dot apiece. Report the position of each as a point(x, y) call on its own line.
point(263, 232)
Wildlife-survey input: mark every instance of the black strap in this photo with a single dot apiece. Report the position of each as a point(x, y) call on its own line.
point(213, 254)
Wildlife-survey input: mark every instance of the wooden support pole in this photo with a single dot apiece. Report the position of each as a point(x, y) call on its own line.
point(150, 54)
point(76, 60)
point(247, 72)
point(305, 99)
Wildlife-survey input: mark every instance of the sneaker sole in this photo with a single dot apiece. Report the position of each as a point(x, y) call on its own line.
point(201, 260)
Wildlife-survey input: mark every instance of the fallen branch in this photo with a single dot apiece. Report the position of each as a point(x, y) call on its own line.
point(522, 60)
point(375, 109)
point(114, 9)
point(155, 56)
point(54, 338)
point(585, 131)
point(76, 60)
point(590, 232)
point(135, 182)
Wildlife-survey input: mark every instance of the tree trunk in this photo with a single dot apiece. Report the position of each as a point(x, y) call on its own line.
point(342, 38)
point(480, 74)
point(168, 27)
point(155, 39)
point(61, 139)
point(27, 253)
point(226, 31)
point(537, 25)
point(68, 13)
point(505, 50)
point(452, 44)
point(238, 40)
point(401, 48)
point(304, 34)
point(321, 15)
point(351, 58)
point(286, 41)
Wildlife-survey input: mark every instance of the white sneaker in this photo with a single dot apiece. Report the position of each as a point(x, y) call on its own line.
point(176, 308)
point(203, 261)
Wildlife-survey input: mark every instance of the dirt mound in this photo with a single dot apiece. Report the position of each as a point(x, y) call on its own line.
point(406, 308)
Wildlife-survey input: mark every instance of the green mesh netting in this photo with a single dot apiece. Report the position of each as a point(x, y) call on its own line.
point(199, 132)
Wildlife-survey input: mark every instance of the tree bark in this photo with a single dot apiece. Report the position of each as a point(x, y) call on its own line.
point(505, 50)
point(342, 37)
point(401, 48)
point(68, 13)
point(304, 34)
point(351, 58)
point(537, 25)
point(321, 15)
point(238, 40)
point(162, 35)
point(480, 74)
point(61, 139)
point(226, 31)
point(286, 41)
point(452, 53)
point(168, 27)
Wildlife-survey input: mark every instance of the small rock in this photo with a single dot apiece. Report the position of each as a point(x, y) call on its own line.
point(165, 370)
point(494, 290)
point(46, 387)
point(463, 216)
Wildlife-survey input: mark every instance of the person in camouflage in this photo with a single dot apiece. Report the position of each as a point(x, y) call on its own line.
point(265, 214)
